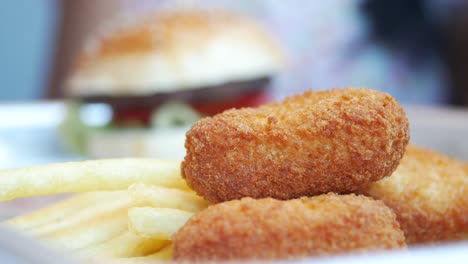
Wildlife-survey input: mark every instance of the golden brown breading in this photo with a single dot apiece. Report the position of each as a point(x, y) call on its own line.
point(275, 229)
point(429, 194)
point(314, 143)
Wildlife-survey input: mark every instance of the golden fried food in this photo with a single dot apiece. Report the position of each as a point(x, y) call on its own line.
point(274, 229)
point(429, 194)
point(314, 143)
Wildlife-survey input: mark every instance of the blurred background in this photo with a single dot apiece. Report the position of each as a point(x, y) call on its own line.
point(415, 50)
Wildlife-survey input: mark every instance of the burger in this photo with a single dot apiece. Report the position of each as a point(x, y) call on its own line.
point(138, 85)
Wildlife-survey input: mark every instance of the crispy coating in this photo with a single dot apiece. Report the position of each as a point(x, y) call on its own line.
point(314, 143)
point(429, 194)
point(274, 229)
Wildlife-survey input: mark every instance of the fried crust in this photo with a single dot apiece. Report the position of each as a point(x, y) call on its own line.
point(314, 143)
point(429, 194)
point(274, 229)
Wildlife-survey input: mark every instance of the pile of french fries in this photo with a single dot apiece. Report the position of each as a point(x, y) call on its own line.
point(126, 210)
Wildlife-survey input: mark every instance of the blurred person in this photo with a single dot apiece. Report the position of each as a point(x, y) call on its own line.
point(455, 50)
point(427, 40)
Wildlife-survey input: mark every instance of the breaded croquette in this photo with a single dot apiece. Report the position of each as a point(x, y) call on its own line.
point(274, 229)
point(314, 143)
point(429, 194)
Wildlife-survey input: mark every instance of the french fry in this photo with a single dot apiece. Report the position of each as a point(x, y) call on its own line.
point(108, 203)
point(164, 254)
point(89, 232)
point(55, 212)
point(166, 197)
point(86, 176)
point(159, 223)
point(124, 245)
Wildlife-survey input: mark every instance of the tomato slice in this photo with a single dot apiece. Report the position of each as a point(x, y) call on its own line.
point(250, 99)
point(132, 116)
point(141, 116)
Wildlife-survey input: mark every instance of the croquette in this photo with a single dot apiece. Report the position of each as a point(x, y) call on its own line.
point(310, 144)
point(275, 229)
point(429, 194)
